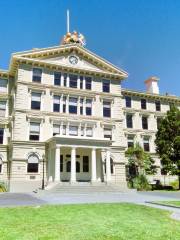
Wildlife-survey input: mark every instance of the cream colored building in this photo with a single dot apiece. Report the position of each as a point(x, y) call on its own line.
point(63, 113)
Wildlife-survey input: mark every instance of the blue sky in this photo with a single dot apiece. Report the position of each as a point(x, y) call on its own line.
point(140, 36)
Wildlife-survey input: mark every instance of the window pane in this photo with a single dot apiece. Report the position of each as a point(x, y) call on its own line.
point(57, 78)
point(56, 129)
point(73, 105)
point(144, 122)
point(128, 101)
point(73, 130)
point(88, 82)
point(73, 81)
point(1, 135)
point(129, 121)
point(37, 73)
point(106, 86)
point(85, 164)
point(158, 105)
point(89, 132)
point(32, 167)
point(35, 127)
point(36, 96)
point(108, 133)
point(3, 85)
point(143, 103)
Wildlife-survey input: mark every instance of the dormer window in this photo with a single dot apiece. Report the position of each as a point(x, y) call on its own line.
point(37, 74)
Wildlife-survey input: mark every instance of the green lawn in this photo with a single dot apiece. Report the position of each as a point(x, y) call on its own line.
point(85, 222)
point(170, 203)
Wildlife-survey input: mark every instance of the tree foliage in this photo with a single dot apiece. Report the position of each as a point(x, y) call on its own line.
point(140, 160)
point(168, 142)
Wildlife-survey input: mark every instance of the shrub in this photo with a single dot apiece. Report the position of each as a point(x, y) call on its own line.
point(2, 187)
point(141, 183)
point(175, 184)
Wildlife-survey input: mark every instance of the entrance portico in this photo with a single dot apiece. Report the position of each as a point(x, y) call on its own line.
point(78, 159)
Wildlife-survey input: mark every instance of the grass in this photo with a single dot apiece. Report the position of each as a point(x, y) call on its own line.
point(88, 222)
point(170, 203)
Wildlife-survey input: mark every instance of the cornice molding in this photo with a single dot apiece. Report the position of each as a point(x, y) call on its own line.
point(150, 96)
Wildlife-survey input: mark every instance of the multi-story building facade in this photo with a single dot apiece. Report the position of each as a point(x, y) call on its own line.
point(65, 117)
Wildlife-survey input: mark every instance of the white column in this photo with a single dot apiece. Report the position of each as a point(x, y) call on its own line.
point(78, 82)
point(108, 166)
point(84, 83)
point(57, 165)
point(73, 165)
point(93, 165)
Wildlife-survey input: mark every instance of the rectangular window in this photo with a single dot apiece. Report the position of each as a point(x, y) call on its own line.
point(64, 104)
point(56, 103)
point(106, 86)
point(89, 107)
point(129, 121)
point(128, 101)
point(37, 74)
point(65, 79)
point(56, 129)
point(146, 144)
point(82, 131)
point(88, 82)
point(85, 164)
point(81, 82)
point(2, 108)
point(73, 130)
point(158, 105)
point(35, 101)
point(73, 105)
point(158, 121)
point(106, 109)
point(89, 132)
point(3, 85)
point(130, 141)
point(57, 78)
point(144, 122)
point(81, 106)
point(1, 135)
point(108, 133)
point(143, 103)
point(73, 81)
point(64, 130)
point(61, 163)
point(34, 131)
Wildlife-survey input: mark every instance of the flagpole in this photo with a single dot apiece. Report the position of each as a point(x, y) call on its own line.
point(67, 20)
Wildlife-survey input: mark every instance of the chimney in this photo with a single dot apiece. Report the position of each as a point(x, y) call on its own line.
point(152, 85)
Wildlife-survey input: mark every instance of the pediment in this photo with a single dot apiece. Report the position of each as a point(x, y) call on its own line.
point(60, 56)
point(66, 61)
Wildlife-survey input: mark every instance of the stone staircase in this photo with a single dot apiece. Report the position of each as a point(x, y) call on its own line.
point(85, 188)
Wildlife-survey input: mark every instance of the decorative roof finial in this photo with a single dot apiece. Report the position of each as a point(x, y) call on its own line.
point(73, 37)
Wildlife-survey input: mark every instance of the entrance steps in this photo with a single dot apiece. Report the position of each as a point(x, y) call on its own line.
point(85, 188)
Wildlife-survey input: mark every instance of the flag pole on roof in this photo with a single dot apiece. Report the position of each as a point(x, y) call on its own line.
point(68, 30)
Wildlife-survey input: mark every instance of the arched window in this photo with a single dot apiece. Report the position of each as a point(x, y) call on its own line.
point(77, 166)
point(112, 166)
point(33, 163)
point(1, 163)
point(68, 166)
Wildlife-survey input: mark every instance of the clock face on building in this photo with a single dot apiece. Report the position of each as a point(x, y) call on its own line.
point(73, 60)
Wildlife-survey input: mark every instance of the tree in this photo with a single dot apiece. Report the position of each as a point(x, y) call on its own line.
point(139, 161)
point(168, 142)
